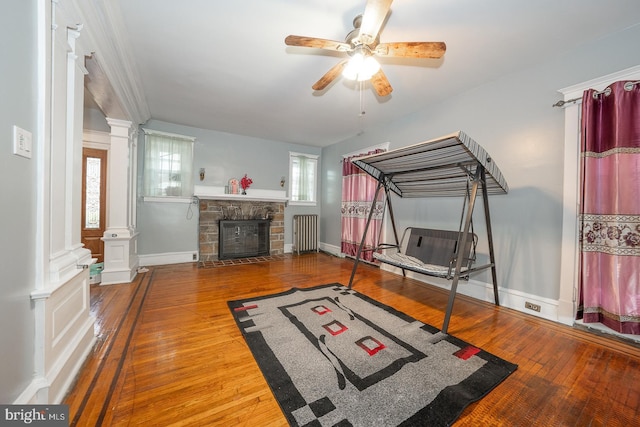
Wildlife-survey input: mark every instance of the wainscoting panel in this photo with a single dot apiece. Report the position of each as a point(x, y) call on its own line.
point(64, 337)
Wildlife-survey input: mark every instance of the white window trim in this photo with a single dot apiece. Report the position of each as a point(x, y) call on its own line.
point(298, 202)
point(567, 304)
point(173, 135)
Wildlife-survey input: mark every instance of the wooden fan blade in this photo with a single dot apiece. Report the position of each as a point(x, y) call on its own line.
point(381, 83)
point(329, 76)
point(316, 43)
point(412, 49)
point(374, 15)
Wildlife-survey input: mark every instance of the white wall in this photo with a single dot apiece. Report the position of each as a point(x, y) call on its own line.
point(95, 120)
point(17, 221)
point(513, 120)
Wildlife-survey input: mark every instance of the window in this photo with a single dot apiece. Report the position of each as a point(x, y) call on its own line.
point(168, 161)
point(303, 174)
point(569, 251)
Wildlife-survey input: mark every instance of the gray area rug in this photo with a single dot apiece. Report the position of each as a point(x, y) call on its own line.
point(335, 357)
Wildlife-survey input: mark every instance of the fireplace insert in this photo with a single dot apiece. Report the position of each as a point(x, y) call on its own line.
point(243, 238)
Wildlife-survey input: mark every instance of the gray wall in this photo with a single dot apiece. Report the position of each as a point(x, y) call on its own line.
point(513, 120)
point(18, 103)
point(94, 119)
point(166, 227)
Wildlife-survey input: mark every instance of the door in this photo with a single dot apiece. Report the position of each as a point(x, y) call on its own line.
point(94, 185)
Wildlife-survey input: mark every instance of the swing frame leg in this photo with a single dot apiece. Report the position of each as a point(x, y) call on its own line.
point(463, 241)
point(364, 234)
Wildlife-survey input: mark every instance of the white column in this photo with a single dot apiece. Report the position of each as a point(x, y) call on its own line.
point(64, 327)
point(120, 236)
point(118, 187)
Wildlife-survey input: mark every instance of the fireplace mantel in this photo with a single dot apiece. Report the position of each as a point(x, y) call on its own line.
point(210, 192)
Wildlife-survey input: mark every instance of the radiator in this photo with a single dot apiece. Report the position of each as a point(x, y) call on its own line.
point(305, 233)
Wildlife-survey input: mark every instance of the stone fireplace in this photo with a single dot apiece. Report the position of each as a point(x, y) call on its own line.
point(239, 208)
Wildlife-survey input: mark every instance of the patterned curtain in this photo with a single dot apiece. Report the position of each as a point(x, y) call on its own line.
point(609, 272)
point(358, 190)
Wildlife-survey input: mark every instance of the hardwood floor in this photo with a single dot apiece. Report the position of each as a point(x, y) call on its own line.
point(169, 352)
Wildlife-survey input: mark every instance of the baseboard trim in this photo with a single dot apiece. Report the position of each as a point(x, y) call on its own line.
point(112, 277)
point(55, 384)
point(550, 309)
point(331, 249)
point(168, 258)
point(29, 395)
point(509, 298)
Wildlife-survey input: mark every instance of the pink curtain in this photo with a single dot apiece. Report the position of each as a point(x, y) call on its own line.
point(358, 190)
point(610, 208)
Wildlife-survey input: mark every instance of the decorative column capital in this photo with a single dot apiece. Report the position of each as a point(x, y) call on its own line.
point(120, 128)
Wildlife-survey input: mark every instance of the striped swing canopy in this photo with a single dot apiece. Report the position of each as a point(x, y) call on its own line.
point(436, 168)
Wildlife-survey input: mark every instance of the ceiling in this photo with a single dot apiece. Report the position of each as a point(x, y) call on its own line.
point(223, 65)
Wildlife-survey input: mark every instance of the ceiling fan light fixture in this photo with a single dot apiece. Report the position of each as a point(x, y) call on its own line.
point(363, 45)
point(360, 67)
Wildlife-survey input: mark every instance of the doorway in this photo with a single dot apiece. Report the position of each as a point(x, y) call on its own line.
point(94, 196)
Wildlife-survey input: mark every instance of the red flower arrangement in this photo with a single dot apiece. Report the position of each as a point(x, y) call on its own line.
point(245, 182)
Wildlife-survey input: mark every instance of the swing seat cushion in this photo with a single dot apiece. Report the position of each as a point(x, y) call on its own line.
point(414, 264)
point(429, 251)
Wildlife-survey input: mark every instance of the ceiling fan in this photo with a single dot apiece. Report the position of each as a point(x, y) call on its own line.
point(362, 44)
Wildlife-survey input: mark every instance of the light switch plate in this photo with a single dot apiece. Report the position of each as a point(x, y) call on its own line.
point(21, 142)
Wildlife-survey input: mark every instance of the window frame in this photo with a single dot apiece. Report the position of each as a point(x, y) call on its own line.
point(186, 168)
point(315, 158)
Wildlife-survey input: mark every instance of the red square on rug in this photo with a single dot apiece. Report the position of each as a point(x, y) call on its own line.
point(467, 352)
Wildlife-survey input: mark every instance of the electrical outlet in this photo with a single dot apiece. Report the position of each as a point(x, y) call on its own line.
point(532, 306)
point(195, 256)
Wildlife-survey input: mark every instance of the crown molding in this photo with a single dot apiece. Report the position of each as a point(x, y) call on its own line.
point(600, 83)
point(108, 46)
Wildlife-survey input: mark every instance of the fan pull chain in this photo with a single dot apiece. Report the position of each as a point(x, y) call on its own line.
point(361, 114)
point(361, 90)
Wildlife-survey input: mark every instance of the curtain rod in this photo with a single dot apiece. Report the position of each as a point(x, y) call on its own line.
point(168, 134)
point(568, 101)
point(627, 86)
